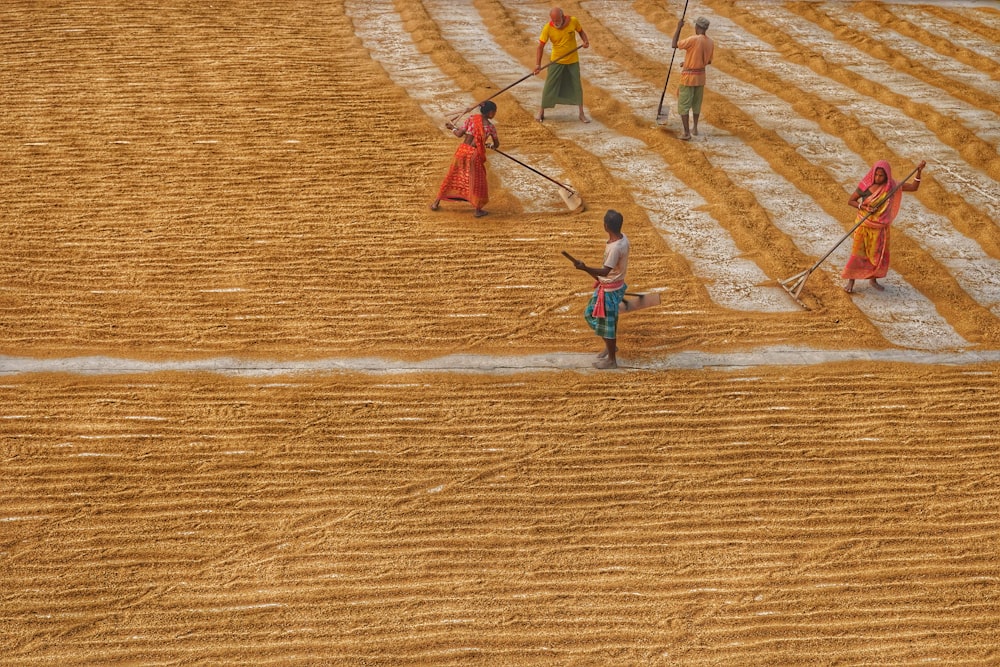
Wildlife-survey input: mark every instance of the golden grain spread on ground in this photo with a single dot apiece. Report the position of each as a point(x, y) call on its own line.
point(245, 186)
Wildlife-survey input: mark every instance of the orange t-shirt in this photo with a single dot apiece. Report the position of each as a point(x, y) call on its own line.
point(698, 52)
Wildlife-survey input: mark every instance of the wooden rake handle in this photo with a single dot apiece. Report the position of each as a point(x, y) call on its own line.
point(505, 89)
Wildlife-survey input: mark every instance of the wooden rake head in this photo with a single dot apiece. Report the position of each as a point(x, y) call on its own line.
point(572, 200)
point(794, 284)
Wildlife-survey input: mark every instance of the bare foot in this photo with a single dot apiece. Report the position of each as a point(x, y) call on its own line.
point(603, 354)
point(435, 205)
point(685, 137)
point(875, 284)
point(605, 364)
point(694, 131)
point(584, 119)
point(480, 213)
point(849, 287)
point(540, 116)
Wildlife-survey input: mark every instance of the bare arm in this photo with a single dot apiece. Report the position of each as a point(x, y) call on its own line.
point(586, 40)
point(597, 273)
point(677, 34)
point(915, 185)
point(538, 57)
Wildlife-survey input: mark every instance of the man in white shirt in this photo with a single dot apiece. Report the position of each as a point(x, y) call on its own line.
point(609, 290)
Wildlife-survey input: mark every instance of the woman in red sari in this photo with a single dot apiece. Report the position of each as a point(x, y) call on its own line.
point(870, 253)
point(466, 179)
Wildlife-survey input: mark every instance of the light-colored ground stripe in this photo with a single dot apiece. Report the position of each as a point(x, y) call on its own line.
point(731, 280)
point(382, 33)
point(978, 273)
point(976, 10)
point(779, 355)
point(903, 315)
point(975, 271)
point(886, 122)
point(950, 32)
point(985, 124)
point(973, 268)
point(912, 49)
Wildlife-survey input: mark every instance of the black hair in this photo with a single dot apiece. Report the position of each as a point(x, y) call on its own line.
point(613, 221)
point(487, 107)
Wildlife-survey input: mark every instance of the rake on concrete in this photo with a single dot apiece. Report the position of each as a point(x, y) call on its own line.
point(793, 285)
point(662, 116)
point(570, 198)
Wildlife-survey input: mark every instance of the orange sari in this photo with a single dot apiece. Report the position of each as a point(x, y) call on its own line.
point(870, 250)
point(466, 178)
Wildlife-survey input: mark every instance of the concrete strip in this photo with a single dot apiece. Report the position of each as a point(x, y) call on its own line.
point(914, 50)
point(957, 35)
point(488, 365)
point(985, 124)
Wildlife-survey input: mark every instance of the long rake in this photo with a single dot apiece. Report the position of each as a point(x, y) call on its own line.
point(570, 198)
point(505, 89)
point(663, 116)
point(794, 284)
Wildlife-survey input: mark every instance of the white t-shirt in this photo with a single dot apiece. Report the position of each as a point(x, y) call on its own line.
point(616, 256)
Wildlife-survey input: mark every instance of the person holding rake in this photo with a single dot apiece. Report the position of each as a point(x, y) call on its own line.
point(609, 289)
point(877, 199)
point(466, 178)
point(562, 84)
point(698, 52)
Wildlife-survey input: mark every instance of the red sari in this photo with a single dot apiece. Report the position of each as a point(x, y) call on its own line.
point(466, 178)
point(870, 249)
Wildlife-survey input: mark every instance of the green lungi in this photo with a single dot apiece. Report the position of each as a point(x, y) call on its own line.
point(562, 85)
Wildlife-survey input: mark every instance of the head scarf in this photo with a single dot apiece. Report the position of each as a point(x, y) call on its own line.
point(883, 208)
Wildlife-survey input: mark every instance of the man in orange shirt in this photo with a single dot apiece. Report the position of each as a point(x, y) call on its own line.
point(562, 83)
point(698, 52)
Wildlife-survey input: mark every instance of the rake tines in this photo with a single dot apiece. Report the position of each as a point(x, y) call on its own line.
point(794, 284)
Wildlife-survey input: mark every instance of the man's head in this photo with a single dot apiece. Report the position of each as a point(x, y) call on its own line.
point(701, 24)
point(613, 221)
point(556, 15)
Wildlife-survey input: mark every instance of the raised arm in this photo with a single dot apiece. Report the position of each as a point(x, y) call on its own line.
point(677, 34)
point(915, 185)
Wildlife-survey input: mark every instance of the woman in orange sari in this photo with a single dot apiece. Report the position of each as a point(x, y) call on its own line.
point(466, 179)
point(878, 198)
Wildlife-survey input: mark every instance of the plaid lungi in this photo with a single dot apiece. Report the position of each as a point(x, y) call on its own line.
point(607, 326)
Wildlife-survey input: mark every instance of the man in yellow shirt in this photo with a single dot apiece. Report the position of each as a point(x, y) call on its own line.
point(562, 83)
point(698, 52)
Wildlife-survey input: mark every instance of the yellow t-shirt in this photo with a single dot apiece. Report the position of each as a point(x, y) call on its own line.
point(563, 40)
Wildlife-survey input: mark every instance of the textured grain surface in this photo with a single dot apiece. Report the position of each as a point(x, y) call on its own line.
point(250, 180)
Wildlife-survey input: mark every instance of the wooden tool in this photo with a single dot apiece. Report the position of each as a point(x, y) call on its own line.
point(794, 284)
point(663, 115)
point(571, 199)
point(527, 76)
point(636, 302)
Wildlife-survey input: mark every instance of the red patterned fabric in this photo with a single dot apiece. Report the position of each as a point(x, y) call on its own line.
point(466, 178)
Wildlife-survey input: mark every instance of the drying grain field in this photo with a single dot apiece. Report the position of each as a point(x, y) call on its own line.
point(260, 405)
